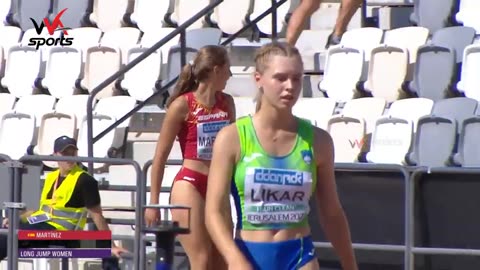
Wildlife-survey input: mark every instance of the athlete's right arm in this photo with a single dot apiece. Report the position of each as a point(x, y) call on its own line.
point(226, 152)
point(175, 116)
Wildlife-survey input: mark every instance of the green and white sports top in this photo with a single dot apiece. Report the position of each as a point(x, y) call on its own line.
point(273, 192)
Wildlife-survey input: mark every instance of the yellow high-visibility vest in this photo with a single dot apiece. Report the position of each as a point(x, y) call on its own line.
point(61, 217)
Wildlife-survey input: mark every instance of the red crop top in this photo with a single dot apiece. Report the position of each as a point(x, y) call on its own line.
point(199, 131)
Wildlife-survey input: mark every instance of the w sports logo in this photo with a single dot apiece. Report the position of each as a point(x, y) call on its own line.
point(52, 27)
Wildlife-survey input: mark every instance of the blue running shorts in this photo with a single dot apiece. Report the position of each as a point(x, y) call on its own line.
point(284, 255)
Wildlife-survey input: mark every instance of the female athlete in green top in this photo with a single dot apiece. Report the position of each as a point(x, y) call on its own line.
point(277, 162)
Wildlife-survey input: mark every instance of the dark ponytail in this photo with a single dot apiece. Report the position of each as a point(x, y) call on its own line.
point(192, 74)
point(186, 83)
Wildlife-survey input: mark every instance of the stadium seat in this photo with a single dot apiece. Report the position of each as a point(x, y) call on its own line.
point(85, 37)
point(352, 126)
point(174, 65)
point(26, 9)
point(231, 15)
point(434, 142)
point(347, 135)
point(102, 147)
point(116, 106)
point(198, 38)
point(109, 14)
point(138, 83)
point(18, 128)
point(64, 68)
point(22, 69)
point(387, 72)
point(107, 111)
point(265, 25)
point(76, 14)
point(150, 38)
point(343, 71)
point(458, 109)
point(53, 125)
point(469, 83)
point(10, 37)
point(317, 110)
point(454, 37)
point(365, 39)
point(7, 102)
point(185, 9)
point(122, 38)
point(241, 86)
point(101, 62)
point(310, 44)
point(149, 15)
point(244, 106)
point(368, 109)
point(195, 39)
point(423, 15)
point(468, 148)
point(75, 105)
point(36, 105)
point(468, 14)
point(434, 72)
point(5, 11)
point(31, 33)
point(410, 38)
point(391, 141)
point(411, 109)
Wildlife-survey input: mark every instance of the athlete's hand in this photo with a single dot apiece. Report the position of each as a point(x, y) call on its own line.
point(118, 251)
point(5, 223)
point(152, 216)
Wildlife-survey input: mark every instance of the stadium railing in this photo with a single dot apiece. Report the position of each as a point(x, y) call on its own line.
point(179, 30)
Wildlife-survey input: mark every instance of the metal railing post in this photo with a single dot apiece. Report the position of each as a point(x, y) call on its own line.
point(183, 48)
point(274, 20)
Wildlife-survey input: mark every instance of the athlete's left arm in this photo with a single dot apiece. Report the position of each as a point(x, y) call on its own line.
point(231, 107)
point(332, 216)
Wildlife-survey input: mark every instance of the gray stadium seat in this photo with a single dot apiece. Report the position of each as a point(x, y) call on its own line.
point(468, 147)
point(433, 14)
point(434, 142)
point(459, 109)
point(434, 72)
point(455, 37)
point(77, 11)
point(198, 38)
point(36, 9)
point(174, 65)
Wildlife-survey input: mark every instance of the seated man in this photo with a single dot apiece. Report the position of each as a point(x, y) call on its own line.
point(68, 194)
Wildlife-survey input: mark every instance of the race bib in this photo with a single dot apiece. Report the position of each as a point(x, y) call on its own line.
point(277, 196)
point(206, 134)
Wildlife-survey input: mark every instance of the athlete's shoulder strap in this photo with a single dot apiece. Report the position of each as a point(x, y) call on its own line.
point(244, 129)
point(305, 131)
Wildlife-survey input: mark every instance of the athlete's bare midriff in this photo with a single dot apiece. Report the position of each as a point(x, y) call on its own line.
point(197, 165)
point(273, 235)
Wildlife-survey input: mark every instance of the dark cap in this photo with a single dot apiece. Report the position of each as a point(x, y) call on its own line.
point(61, 143)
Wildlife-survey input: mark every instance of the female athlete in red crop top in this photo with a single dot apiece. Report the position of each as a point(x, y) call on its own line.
point(197, 110)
